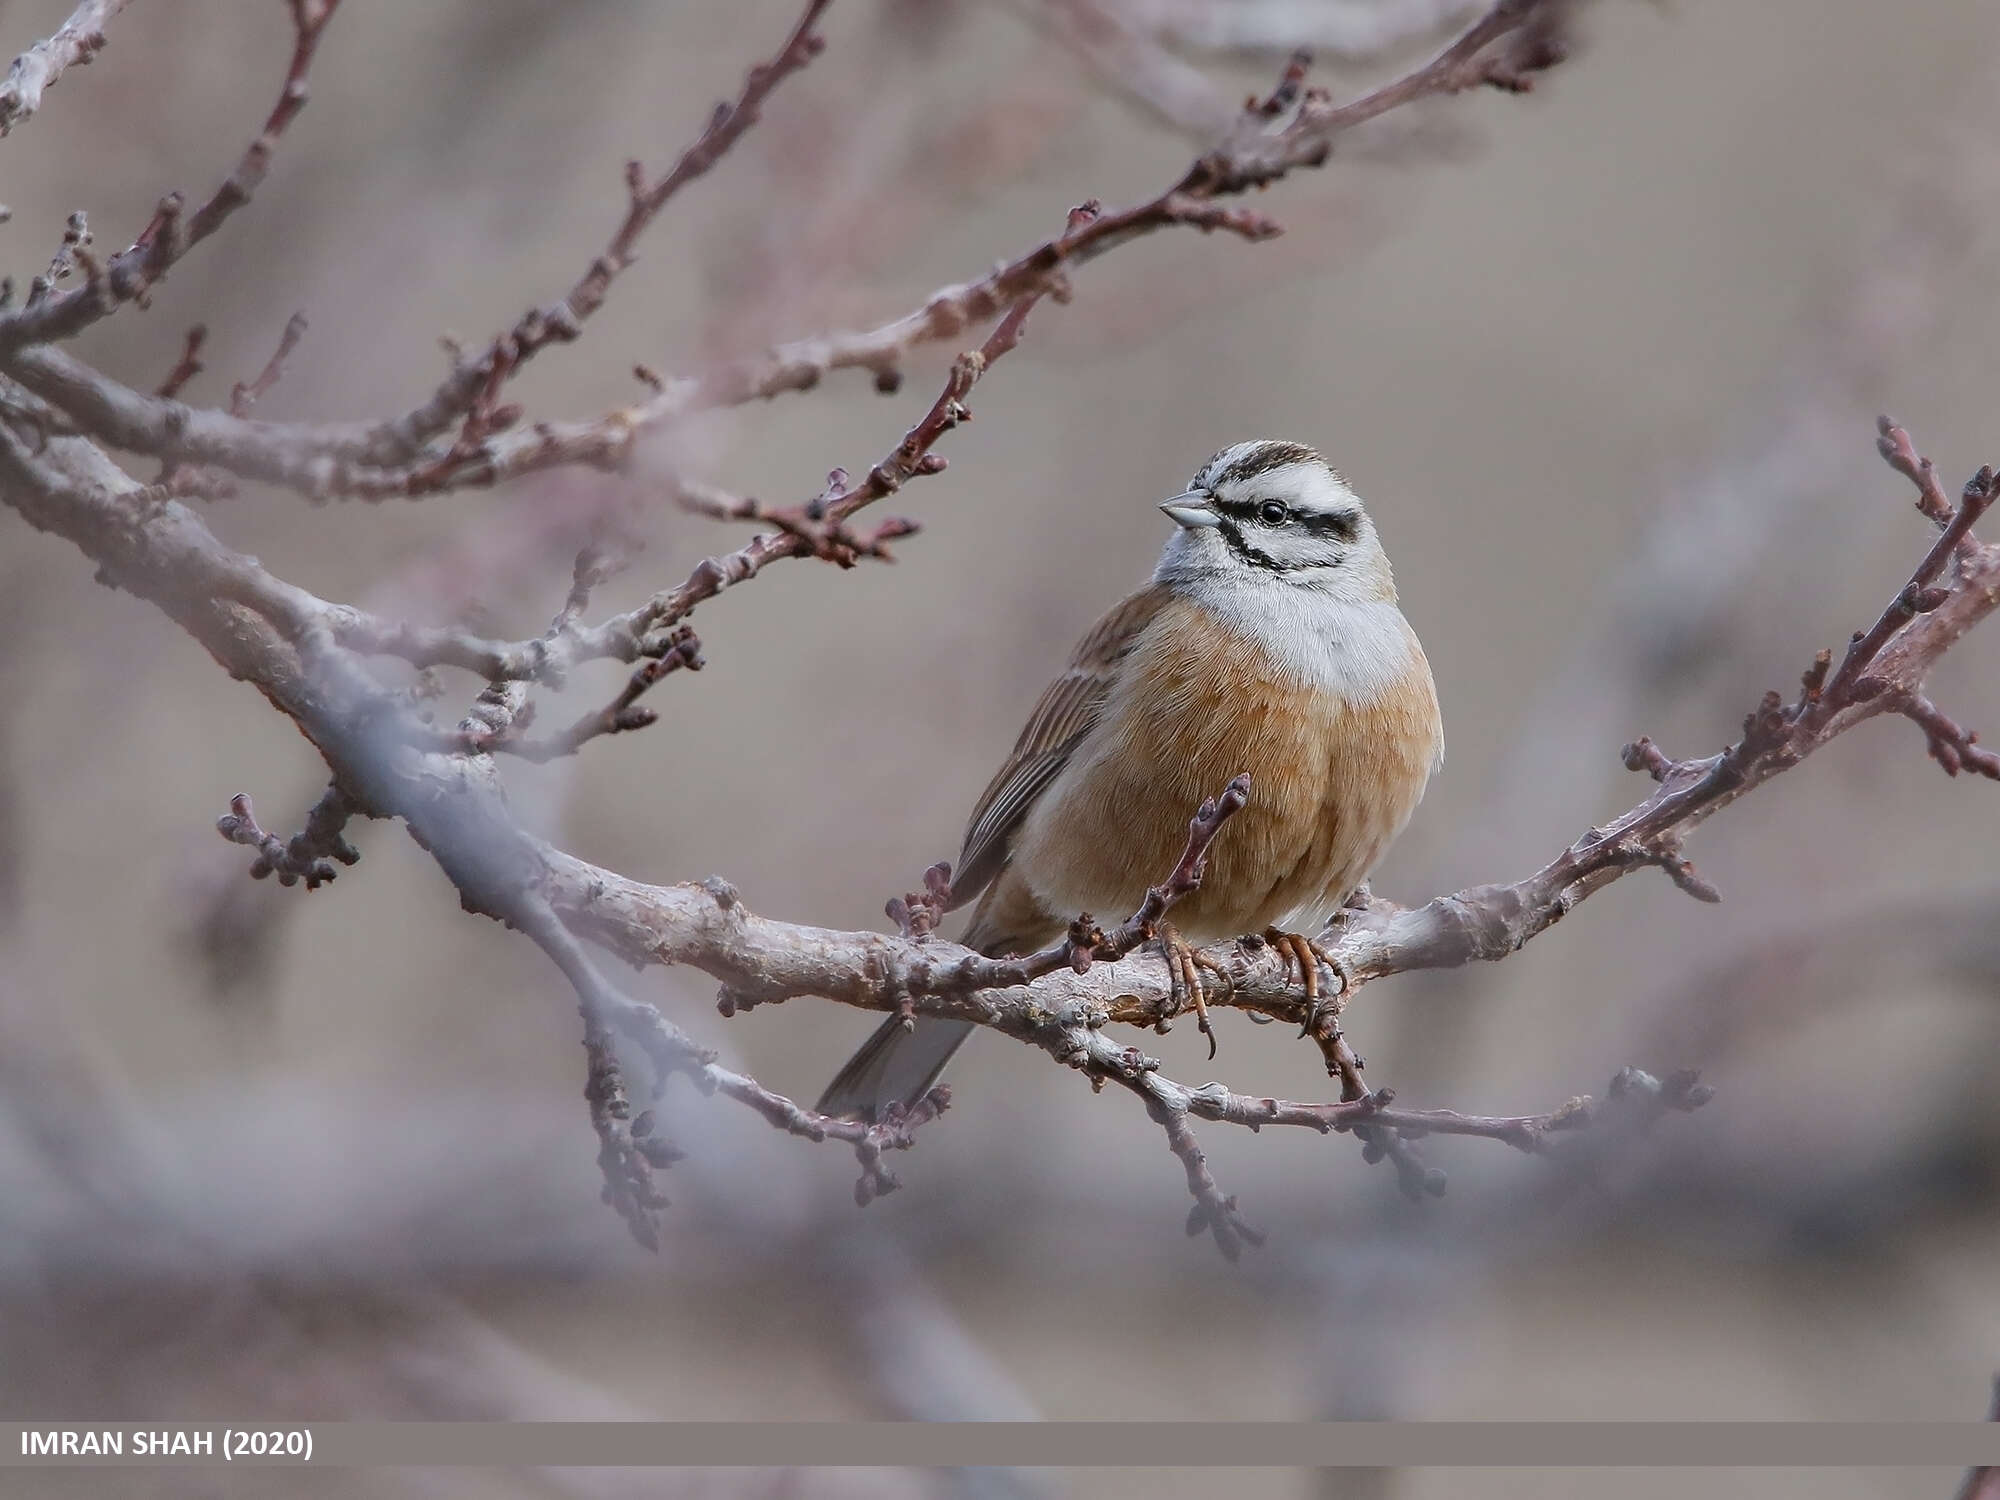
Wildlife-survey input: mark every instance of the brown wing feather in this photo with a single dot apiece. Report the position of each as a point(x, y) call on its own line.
point(898, 1065)
point(1063, 716)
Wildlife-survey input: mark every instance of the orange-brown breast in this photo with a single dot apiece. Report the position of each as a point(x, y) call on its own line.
point(1332, 782)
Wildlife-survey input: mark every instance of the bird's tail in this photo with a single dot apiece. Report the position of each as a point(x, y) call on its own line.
point(898, 1064)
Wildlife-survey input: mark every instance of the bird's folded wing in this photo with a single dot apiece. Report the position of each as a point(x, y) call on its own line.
point(1060, 720)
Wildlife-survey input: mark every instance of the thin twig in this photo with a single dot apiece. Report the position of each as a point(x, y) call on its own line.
point(309, 855)
point(188, 366)
point(472, 390)
point(245, 395)
point(388, 460)
point(171, 233)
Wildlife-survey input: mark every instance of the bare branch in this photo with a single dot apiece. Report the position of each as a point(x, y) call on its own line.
point(629, 1151)
point(170, 234)
point(1897, 451)
point(830, 541)
point(1252, 155)
point(625, 1155)
point(1951, 745)
point(1164, 86)
point(621, 714)
point(817, 529)
point(1632, 1103)
point(309, 855)
point(188, 366)
point(245, 395)
point(1883, 671)
point(387, 460)
point(72, 44)
point(473, 389)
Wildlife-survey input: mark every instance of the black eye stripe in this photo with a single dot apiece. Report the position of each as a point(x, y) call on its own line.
point(1233, 534)
point(1343, 524)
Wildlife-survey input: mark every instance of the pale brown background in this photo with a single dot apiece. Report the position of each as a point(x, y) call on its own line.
point(1605, 362)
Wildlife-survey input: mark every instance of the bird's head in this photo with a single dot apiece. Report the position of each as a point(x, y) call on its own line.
point(1275, 512)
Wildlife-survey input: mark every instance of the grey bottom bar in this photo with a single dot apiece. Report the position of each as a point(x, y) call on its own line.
point(1039, 1444)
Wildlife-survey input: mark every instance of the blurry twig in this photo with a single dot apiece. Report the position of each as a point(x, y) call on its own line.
point(1294, 127)
point(72, 44)
point(308, 856)
point(187, 366)
point(817, 529)
point(473, 389)
point(247, 393)
point(1174, 92)
point(171, 233)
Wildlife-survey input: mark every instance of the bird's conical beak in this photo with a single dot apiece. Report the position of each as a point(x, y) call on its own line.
point(1191, 510)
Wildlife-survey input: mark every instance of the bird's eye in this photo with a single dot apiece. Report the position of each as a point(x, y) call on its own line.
point(1274, 513)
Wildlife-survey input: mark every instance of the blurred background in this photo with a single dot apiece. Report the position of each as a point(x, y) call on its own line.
point(1605, 361)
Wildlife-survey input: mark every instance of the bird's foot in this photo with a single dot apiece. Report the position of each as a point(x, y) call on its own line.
point(1295, 949)
point(1185, 967)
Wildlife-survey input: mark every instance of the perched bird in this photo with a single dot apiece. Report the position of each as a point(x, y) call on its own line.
point(1269, 641)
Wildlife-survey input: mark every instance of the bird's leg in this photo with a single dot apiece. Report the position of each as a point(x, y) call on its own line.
point(1184, 971)
point(1342, 1062)
point(1295, 948)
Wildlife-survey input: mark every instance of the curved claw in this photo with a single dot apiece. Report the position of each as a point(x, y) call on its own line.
point(1295, 949)
point(1211, 966)
point(1184, 971)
